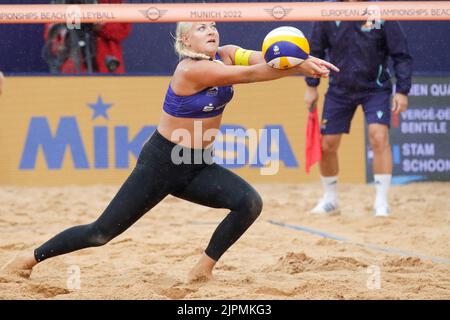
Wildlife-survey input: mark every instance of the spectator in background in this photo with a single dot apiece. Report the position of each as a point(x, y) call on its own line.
point(109, 47)
point(91, 48)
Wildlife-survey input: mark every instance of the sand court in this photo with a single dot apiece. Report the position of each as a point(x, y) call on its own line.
point(152, 258)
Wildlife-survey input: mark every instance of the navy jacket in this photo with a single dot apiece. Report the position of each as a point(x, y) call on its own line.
point(361, 53)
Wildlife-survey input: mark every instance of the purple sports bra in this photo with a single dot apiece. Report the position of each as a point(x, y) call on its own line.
point(207, 103)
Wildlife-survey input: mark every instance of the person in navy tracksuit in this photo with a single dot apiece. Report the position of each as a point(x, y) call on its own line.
point(361, 50)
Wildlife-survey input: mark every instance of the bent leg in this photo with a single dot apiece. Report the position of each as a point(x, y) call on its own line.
point(141, 191)
point(218, 187)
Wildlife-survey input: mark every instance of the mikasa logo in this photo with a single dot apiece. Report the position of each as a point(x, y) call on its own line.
point(276, 50)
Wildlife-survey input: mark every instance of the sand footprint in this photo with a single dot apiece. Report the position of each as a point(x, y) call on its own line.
point(173, 288)
point(47, 291)
point(274, 292)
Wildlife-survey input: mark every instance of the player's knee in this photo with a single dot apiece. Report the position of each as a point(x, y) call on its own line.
point(379, 140)
point(252, 204)
point(97, 237)
point(329, 145)
point(99, 240)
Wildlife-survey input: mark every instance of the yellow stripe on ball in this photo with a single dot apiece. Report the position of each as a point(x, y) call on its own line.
point(284, 63)
point(302, 43)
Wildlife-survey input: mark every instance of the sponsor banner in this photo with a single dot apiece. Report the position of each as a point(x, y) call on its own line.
point(231, 12)
point(420, 137)
point(90, 130)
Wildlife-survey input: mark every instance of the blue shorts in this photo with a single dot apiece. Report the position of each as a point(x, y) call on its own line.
point(338, 110)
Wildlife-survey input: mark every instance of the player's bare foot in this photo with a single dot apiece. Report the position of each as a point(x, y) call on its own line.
point(199, 276)
point(21, 266)
point(202, 271)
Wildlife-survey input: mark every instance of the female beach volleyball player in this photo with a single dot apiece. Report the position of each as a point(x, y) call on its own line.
point(199, 90)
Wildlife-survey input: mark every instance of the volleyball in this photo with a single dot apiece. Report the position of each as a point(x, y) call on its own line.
point(285, 47)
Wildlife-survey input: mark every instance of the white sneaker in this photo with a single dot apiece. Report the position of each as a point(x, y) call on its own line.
point(382, 211)
point(327, 208)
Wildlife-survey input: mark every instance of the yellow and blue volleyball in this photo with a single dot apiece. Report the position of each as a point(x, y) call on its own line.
point(285, 47)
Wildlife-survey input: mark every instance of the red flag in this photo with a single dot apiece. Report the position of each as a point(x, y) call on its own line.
point(313, 146)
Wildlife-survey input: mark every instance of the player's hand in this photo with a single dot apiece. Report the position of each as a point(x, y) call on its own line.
point(323, 63)
point(399, 103)
point(316, 68)
point(311, 69)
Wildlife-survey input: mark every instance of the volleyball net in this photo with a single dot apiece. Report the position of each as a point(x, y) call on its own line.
point(226, 12)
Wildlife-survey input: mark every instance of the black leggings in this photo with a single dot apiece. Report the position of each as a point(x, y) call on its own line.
point(154, 177)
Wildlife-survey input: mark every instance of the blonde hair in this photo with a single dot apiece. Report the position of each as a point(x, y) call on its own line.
point(180, 47)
